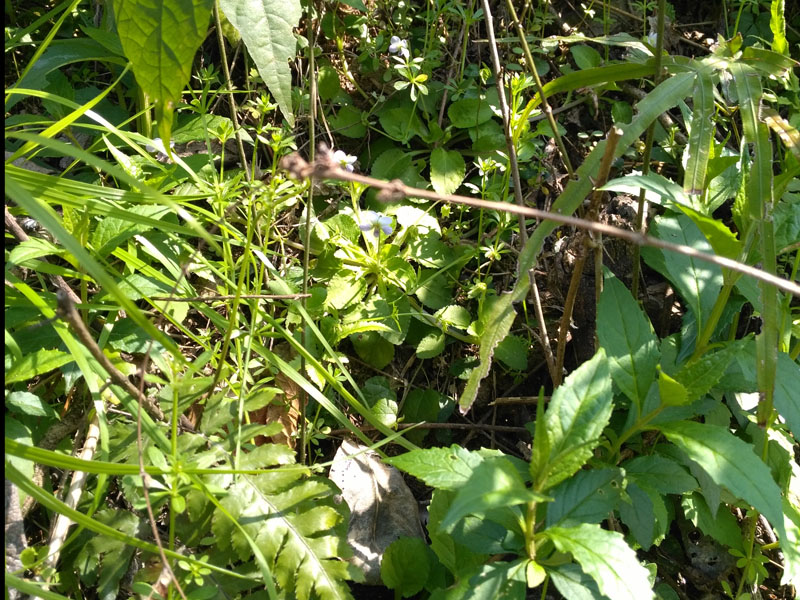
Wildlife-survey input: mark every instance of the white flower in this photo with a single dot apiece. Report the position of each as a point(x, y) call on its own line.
point(375, 222)
point(344, 160)
point(398, 46)
point(158, 146)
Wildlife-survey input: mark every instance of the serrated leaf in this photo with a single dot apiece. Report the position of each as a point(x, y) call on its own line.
point(587, 497)
point(627, 337)
point(699, 376)
point(494, 483)
point(573, 583)
point(729, 462)
point(698, 282)
point(32, 248)
point(266, 27)
point(442, 468)
point(456, 557)
point(432, 344)
point(701, 134)
point(447, 170)
point(606, 558)
point(406, 565)
point(306, 554)
point(578, 411)
point(645, 516)
point(160, 38)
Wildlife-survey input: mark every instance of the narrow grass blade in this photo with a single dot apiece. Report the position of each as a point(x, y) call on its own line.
point(701, 136)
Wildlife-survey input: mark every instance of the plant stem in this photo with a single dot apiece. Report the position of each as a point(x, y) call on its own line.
point(648, 146)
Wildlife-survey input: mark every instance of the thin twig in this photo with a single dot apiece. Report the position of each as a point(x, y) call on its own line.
point(396, 190)
point(465, 426)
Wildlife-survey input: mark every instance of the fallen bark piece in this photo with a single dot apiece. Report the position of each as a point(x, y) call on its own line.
point(382, 508)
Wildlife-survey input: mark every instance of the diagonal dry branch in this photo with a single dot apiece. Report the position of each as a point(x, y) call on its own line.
point(325, 168)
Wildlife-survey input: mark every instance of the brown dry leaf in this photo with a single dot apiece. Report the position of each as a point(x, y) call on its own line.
point(284, 409)
point(382, 508)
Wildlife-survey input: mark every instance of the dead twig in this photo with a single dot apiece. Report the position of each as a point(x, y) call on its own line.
point(396, 190)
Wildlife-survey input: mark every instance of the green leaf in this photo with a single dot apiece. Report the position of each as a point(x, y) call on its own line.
point(645, 515)
point(606, 558)
point(723, 526)
point(627, 337)
point(447, 170)
point(701, 134)
point(372, 348)
point(431, 345)
point(578, 411)
point(501, 316)
point(777, 24)
point(499, 581)
point(671, 392)
point(29, 404)
point(349, 122)
point(586, 57)
point(700, 376)
point(699, 282)
point(573, 583)
point(442, 468)
point(494, 483)
point(381, 400)
point(454, 316)
point(786, 397)
point(297, 527)
point(160, 38)
point(513, 353)
point(729, 462)
point(266, 27)
point(469, 112)
point(37, 363)
point(459, 559)
point(659, 473)
point(405, 566)
point(411, 216)
point(587, 497)
point(422, 406)
point(327, 81)
point(111, 232)
point(32, 248)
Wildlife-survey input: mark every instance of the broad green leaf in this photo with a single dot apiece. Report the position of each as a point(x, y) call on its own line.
point(266, 27)
point(699, 376)
point(578, 411)
point(459, 559)
point(405, 566)
point(494, 483)
point(672, 392)
point(422, 406)
point(586, 57)
point(469, 112)
point(729, 462)
point(587, 497)
point(659, 473)
point(788, 134)
point(29, 404)
point(628, 339)
point(701, 135)
point(160, 38)
point(372, 348)
point(573, 583)
point(645, 515)
point(442, 468)
point(454, 316)
point(381, 400)
point(348, 122)
point(787, 393)
point(699, 282)
point(723, 526)
point(606, 558)
point(111, 232)
point(501, 315)
point(327, 81)
point(411, 216)
point(432, 344)
point(37, 363)
point(499, 581)
point(513, 353)
point(31, 249)
point(447, 170)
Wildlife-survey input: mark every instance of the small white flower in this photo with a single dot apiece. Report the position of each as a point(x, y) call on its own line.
point(398, 46)
point(375, 222)
point(158, 146)
point(344, 160)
